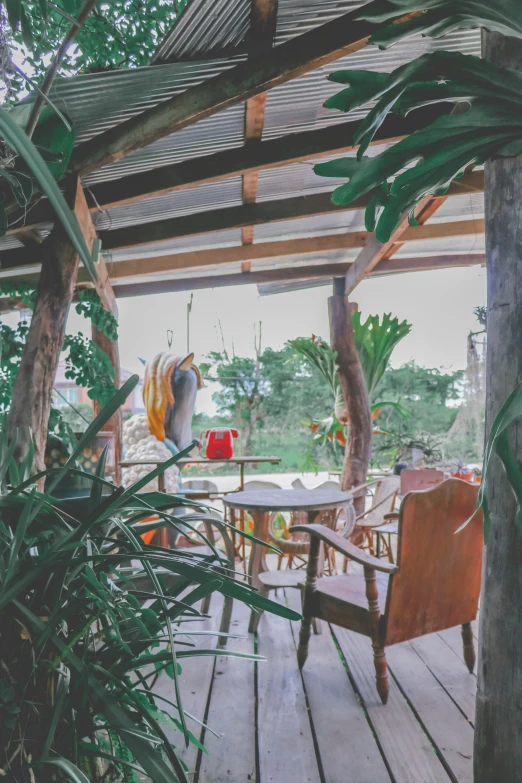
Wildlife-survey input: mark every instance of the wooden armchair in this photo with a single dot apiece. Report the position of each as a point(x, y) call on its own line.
point(435, 584)
point(385, 491)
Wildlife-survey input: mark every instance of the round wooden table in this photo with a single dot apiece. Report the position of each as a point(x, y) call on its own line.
point(260, 503)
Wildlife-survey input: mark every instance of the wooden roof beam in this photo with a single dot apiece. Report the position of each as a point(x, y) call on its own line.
point(263, 22)
point(302, 54)
point(320, 273)
point(24, 260)
point(275, 211)
point(293, 148)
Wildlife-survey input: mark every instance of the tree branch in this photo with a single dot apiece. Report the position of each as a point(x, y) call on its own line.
point(53, 68)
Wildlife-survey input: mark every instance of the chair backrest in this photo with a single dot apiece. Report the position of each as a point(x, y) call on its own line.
point(384, 496)
point(413, 480)
point(204, 485)
point(256, 485)
point(438, 582)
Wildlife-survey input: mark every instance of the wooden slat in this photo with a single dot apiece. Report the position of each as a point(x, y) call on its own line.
point(200, 258)
point(347, 747)
point(263, 22)
point(286, 748)
point(213, 220)
point(274, 212)
point(376, 251)
point(409, 753)
point(232, 712)
point(196, 682)
point(294, 58)
point(450, 670)
point(448, 728)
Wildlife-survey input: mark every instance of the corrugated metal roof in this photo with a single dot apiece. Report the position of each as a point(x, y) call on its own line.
point(206, 27)
point(210, 30)
point(186, 202)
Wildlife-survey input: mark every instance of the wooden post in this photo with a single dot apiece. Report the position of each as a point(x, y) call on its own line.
point(358, 448)
point(34, 382)
point(115, 424)
point(498, 749)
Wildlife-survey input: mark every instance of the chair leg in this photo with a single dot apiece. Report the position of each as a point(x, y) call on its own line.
point(345, 566)
point(225, 621)
point(381, 673)
point(469, 646)
point(205, 605)
point(317, 627)
point(304, 638)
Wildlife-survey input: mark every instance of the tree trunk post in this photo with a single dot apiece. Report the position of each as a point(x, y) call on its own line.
point(31, 404)
point(498, 747)
point(358, 447)
point(115, 424)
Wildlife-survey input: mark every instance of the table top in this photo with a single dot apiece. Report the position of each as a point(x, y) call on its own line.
point(287, 499)
point(129, 463)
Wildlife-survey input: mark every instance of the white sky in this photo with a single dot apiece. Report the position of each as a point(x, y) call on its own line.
point(438, 304)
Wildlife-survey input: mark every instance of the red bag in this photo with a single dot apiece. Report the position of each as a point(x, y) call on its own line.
point(220, 443)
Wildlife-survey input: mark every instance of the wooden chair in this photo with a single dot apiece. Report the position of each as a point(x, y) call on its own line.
point(295, 546)
point(414, 480)
point(411, 481)
point(385, 491)
point(435, 584)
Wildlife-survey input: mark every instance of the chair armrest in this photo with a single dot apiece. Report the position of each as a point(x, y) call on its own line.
point(345, 547)
point(392, 515)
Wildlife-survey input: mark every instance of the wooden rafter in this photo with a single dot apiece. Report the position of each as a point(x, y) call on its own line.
point(375, 251)
point(302, 54)
point(320, 273)
point(263, 21)
point(267, 212)
point(18, 259)
point(294, 148)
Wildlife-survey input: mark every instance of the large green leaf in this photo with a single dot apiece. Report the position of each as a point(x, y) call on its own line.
point(18, 141)
point(426, 162)
point(498, 443)
point(437, 18)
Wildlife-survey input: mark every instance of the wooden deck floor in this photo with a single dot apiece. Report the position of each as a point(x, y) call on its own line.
point(327, 725)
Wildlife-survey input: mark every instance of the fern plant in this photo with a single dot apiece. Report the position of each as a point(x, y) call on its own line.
point(78, 643)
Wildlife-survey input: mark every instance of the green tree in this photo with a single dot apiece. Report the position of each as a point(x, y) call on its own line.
point(269, 399)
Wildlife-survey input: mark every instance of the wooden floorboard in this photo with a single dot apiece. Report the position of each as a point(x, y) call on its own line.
point(286, 745)
point(231, 755)
point(347, 747)
point(196, 681)
point(326, 724)
point(448, 728)
point(410, 754)
point(450, 670)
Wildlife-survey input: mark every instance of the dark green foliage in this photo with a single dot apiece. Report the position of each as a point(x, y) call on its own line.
point(376, 339)
point(430, 397)
point(437, 18)
point(287, 392)
point(492, 125)
point(91, 306)
point(116, 34)
point(89, 366)
point(78, 646)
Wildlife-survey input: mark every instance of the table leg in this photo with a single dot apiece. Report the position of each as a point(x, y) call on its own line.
point(242, 513)
point(257, 562)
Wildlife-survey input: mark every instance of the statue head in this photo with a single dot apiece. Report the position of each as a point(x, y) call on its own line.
point(169, 393)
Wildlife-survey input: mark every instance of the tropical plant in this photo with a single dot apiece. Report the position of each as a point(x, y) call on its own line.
point(491, 125)
point(375, 340)
point(79, 647)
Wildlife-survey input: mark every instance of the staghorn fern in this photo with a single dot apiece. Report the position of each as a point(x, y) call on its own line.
point(443, 150)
